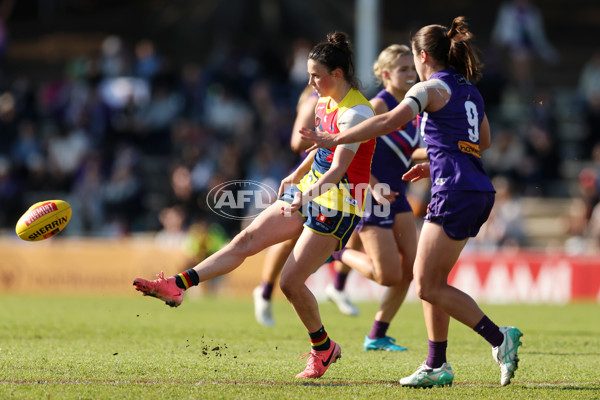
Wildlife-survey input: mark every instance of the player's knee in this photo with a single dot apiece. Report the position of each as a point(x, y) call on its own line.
point(387, 276)
point(287, 286)
point(425, 290)
point(244, 244)
point(390, 278)
point(402, 280)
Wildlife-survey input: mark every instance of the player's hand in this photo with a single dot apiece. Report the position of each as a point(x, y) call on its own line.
point(318, 138)
point(288, 209)
point(287, 182)
point(382, 194)
point(417, 172)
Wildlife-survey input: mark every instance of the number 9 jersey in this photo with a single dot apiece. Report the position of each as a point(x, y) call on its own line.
point(452, 137)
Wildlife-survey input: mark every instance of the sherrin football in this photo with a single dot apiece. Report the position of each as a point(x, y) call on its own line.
point(43, 220)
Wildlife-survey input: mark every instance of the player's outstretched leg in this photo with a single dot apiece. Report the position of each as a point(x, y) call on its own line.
point(506, 354)
point(161, 288)
point(319, 361)
point(425, 377)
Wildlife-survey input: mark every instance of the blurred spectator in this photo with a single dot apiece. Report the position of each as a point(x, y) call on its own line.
point(123, 195)
point(594, 230)
point(203, 171)
point(542, 151)
point(229, 162)
point(193, 89)
point(519, 29)
point(88, 210)
point(26, 99)
point(202, 240)
point(505, 157)
point(589, 80)
point(588, 190)
point(114, 57)
point(589, 89)
point(583, 221)
point(173, 233)
point(123, 91)
point(526, 154)
point(96, 132)
point(181, 193)
point(66, 149)
point(26, 149)
point(266, 166)
point(147, 61)
point(153, 119)
point(226, 112)
point(97, 116)
point(189, 140)
point(576, 228)
point(493, 82)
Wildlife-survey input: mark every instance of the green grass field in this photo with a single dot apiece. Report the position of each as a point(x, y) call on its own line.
point(136, 347)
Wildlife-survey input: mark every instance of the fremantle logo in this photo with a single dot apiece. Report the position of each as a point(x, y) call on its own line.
point(40, 211)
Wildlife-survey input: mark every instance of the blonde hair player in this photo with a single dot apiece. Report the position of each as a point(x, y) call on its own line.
point(389, 238)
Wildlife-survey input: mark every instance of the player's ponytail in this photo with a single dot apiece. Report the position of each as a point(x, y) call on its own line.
point(450, 47)
point(463, 55)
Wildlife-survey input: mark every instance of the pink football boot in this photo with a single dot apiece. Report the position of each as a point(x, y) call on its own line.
point(319, 361)
point(161, 288)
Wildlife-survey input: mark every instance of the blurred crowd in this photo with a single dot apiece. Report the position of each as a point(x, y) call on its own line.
point(134, 140)
point(129, 133)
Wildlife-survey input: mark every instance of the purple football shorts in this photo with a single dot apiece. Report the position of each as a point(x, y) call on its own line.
point(460, 213)
point(383, 217)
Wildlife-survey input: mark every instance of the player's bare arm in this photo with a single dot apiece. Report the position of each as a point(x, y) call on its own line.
point(485, 137)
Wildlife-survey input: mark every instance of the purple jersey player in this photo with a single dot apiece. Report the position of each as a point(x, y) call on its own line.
point(456, 131)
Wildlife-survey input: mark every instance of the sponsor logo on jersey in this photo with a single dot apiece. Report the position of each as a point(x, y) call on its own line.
point(440, 181)
point(322, 218)
point(350, 201)
point(469, 148)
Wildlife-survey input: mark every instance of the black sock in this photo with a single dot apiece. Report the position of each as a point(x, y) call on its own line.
point(319, 340)
point(187, 279)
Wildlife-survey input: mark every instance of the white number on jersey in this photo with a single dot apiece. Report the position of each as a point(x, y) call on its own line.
point(473, 121)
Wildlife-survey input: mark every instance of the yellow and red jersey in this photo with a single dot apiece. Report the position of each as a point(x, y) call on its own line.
point(349, 194)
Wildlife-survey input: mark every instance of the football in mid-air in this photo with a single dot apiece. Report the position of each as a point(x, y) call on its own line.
point(43, 220)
